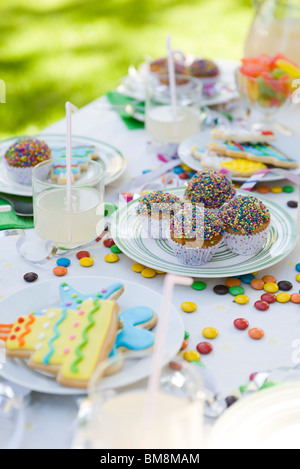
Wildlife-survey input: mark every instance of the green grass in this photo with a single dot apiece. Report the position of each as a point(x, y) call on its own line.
point(53, 51)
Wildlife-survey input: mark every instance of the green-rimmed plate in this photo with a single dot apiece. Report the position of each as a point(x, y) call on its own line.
point(157, 254)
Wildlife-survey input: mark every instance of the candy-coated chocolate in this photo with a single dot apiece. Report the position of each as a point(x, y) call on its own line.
point(188, 307)
point(86, 262)
point(204, 348)
point(241, 324)
point(271, 287)
point(288, 189)
point(247, 278)
point(221, 289)
point(63, 262)
point(175, 366)
point(262, 305)
point(111, 258)
point(276, 190)
point(232, 282)
point(242, 299)
point(160, 272)
point(268, 297)
point(210, 333)
point(285, 285)
point(108, 242)
point(269, 279)
point(257, 284)
point(184, 344)
point(186, 334)
point(183, 176)
point(235, 291)
point(256, 333)
point(292, 204)
point(295, 298)
point(115, 249)
point(60, 271)
point(82, 254)
point(298, 277)
point(197, 285)
point(138, 268)
point(298, 267)
point(192, 356)
point(283, 297)
point(148, 273)
point(230, 400)
point(263, 189)
point(30, 277)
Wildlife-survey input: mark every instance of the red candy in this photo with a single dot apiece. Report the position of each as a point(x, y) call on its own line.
point(241, 324)
point(108, 242)
point(82, 254)
point(21, 320)
point(205, 348)
point(262, 305)
point(183, 175)
point(268, 297)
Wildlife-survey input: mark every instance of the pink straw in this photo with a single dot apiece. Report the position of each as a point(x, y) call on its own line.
point(172, 81)
point(69, 108)
point(153, 386)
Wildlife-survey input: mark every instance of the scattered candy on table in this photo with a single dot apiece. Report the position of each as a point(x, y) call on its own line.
point(295, 298)
point(188, 307)
point(210, 333)
point(111, 258)
point(292, 204)
point(82, 254)
point(60, 271)
point(285, 285)
point(86, 262)
point(148, 273)
point(232, 282)
point(283, 297)
point(198, 285)
point(30, 277)
point(257, 284)
point(247, 278)
point(221, 290)
point(269, 279)
point(138, 268)
point(114, 248)
point(271, 287)
point(298, 277)
point(204, 348)
point(192, 356)
point(184, 344)
point(256, 333)
point(268, 297)
point(242, 299)
point(236, 291)
point(262, 305)
point(108, 242)
point(241, 324)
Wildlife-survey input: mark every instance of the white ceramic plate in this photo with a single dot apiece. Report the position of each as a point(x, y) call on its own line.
point(128, 235)
point(269, 419)
point(288, 145)
point(111, 159)
point(46, 294)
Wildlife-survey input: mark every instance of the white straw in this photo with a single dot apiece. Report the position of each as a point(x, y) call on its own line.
point(153, 386)
point(69, 108)
point(172, 81)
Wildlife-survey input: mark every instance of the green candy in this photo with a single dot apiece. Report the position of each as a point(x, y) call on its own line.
point(115, 249)
point(288, 189)
point(186, 335)
point(235, 291)
point(199, 285)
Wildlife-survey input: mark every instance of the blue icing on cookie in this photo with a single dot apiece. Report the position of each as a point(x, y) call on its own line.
point(72, 299)
point(132, 337)
point(77, 152)
point(259, 150)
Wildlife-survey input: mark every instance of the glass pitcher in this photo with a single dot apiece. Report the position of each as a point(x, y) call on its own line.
point(276, 28)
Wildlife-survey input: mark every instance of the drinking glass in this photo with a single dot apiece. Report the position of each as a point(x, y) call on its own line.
point(68, 227)
point(115, 419)
point(163, 124)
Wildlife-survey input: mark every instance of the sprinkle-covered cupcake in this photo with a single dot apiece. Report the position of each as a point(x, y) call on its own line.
point(247, 223)
point(23, 155)
point(203, 68)
point(155, 211)
point(196, 234)
point(210, 188)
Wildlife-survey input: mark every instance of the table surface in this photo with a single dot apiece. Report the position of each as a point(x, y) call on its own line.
point(50, 419)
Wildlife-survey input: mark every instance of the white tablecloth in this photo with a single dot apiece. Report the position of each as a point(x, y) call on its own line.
point(49, 419)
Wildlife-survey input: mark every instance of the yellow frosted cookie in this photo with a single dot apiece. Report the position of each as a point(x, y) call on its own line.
point(241, 167)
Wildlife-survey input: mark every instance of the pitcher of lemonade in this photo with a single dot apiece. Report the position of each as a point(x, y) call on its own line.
point(276, 28)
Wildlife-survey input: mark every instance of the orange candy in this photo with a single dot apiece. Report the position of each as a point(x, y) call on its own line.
point(257, 284)
point(263, 189)
point(295, 298)
point(269, 279)
point(184, 344)
point(256, 333)
point(233, 282)
point(60, 271)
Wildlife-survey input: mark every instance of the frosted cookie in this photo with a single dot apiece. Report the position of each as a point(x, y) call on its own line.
point(81, 155)
point(262, 152)
point(242, 135)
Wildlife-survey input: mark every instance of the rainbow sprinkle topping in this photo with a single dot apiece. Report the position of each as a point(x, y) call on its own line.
point(27, 152)
point(210, 188)
point(196, 222)
point(245, 214)
point(157, 201)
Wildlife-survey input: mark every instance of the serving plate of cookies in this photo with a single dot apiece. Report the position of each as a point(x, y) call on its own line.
point(56, 334)
point(238, 234)
point(19, 155)
point(241, 152)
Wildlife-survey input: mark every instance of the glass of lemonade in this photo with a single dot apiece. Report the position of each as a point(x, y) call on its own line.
point(117, 418)
point(68, 227)
point(163, 125)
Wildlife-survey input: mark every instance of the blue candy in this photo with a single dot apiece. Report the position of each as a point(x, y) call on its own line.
point(178, 170)
point(247, 278)
point(298, 267)
point(63, 262)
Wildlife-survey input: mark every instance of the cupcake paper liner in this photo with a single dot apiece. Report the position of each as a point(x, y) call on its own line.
point(193, 256)
point(24, 175)
point(246, 245)
point(155, 228)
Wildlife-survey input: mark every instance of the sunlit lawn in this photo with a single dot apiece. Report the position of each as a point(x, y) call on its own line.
point(52, 51)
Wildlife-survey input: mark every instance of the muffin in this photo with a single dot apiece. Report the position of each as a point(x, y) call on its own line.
point(203, 68)
point(210, 188)
point(195, 235)
point(155, 211)
point(247, 222)
point(23, 155)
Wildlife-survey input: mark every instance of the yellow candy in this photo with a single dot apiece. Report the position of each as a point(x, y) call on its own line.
point(186, 167)
point(289, 68)
point(86, 262)
point(148, 273)
point(283, 297)
point(210, 333)
point(191, 356)
point(138, 268)
point(271, 287)
point(241, 299)
point(188, 307)
point(243, 167)
point(111, 258)
point(276, 190)
point(298, 277)
point(160, 272)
